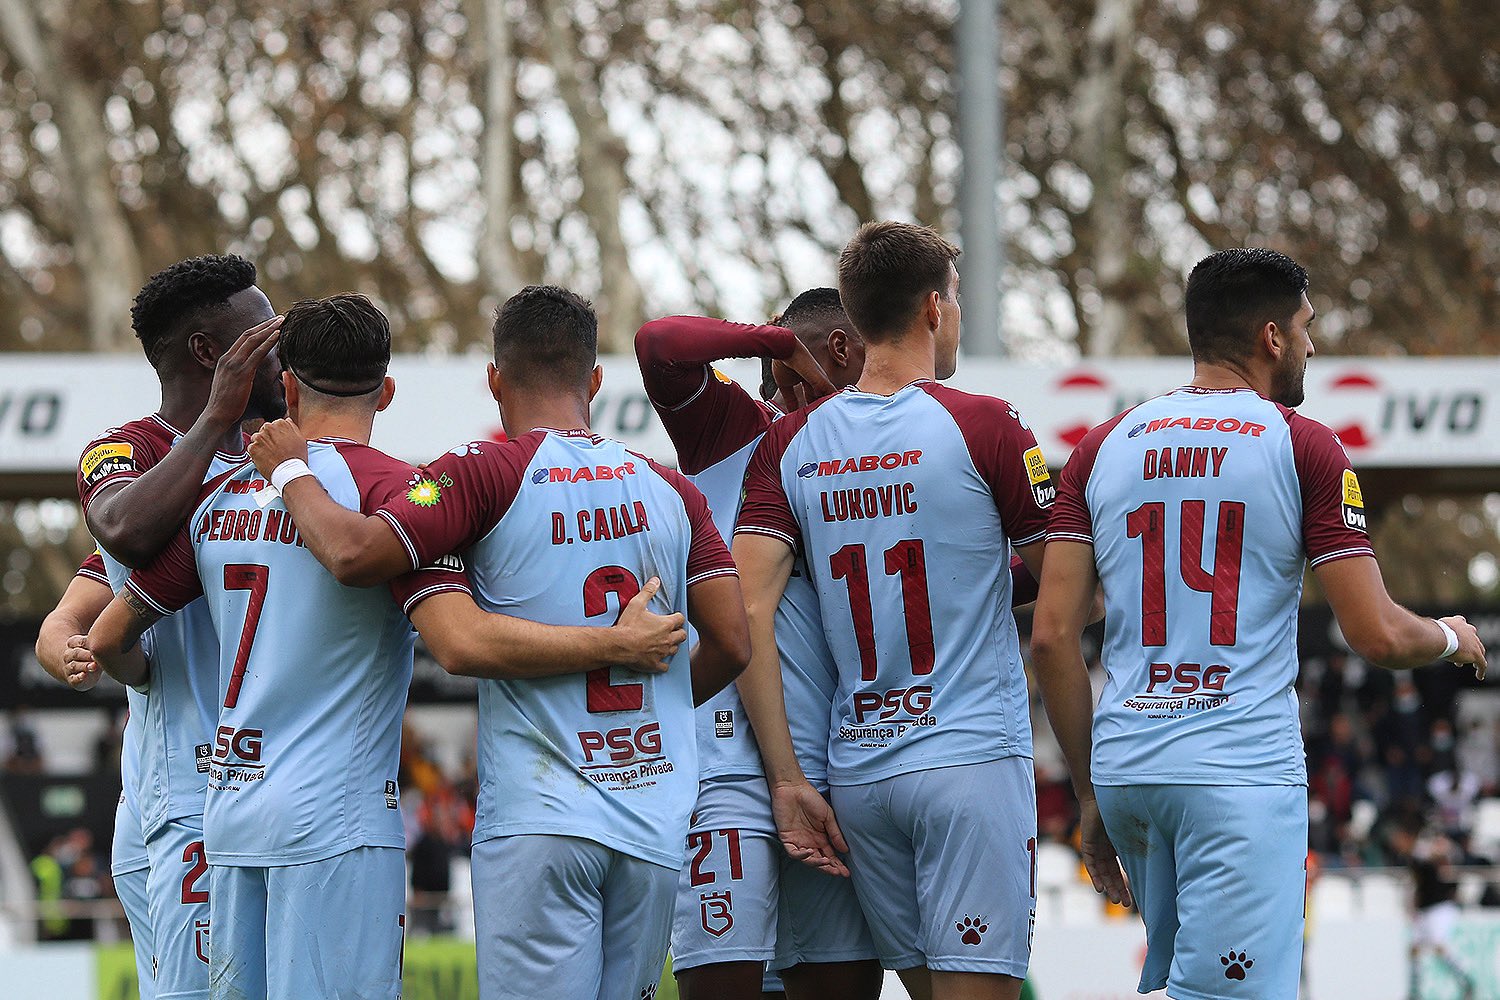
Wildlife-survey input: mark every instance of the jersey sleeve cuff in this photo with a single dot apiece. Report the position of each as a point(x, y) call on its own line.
point(1337, 554)
point(1035, 536)
point(413, 600)
point(756, 529)
point(118, 477)
point(89, 574)
point(1069, 536)
point(402, 537)
point(155, 605)
point(709, 574)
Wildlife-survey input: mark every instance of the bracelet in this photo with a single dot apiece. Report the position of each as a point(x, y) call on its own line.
point(295, 468)
point(1450, 635)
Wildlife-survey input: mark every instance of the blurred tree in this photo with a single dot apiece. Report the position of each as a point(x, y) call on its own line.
point(666, 155)
point(671, 154)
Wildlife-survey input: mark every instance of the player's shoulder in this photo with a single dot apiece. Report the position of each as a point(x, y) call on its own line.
point(140, 441)
point(787, 426)
point(974, 410)
point(1311, 438)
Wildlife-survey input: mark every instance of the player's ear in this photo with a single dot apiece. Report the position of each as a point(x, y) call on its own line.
point(293, 395)
point(496, 383)
point(838, 346)
point(202, 350)
point(934, 311)
point(1271, 337)
point(595, 381)
point(387, 393)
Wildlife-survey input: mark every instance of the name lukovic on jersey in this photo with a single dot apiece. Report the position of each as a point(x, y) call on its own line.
point(860, 503)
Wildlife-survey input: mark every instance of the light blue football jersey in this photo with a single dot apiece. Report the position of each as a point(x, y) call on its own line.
point(906, 507)
point(563, 529)
point(1202, 508)
point(312, 675)
point(177, 710)
point(808, 677)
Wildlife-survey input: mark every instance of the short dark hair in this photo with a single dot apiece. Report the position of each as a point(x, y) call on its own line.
point(546, 335)
point(178, 297)
point(340, 345)
point(1234, 293)
point(886, 272)
point(816, 307)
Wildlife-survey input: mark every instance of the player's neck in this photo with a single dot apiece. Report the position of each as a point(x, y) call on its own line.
point(891, 367)
point(333, 424)
point(183, 402)
point(1213, 375)
point(557, 414)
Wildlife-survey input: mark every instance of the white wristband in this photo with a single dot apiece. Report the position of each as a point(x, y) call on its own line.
point(294, 468)
point(1451, 636)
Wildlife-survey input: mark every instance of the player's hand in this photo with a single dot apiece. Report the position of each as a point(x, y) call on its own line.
point(1470, 648)
point(235, 373)
point(276, 442)
point(648, 640)
point(808, 830)
point(814, 383)
point(79, 668)
point(1099, 857)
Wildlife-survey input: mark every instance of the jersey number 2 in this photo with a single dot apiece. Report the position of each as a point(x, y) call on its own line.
point(251, 577)
point(600, 694)
point(1148, 523)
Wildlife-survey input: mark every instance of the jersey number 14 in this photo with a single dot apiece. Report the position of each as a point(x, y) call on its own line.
point(1148, 523)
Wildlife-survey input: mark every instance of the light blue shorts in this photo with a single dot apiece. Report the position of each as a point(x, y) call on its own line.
point(942, 860)
point(741, 898)
point(325, 930)
point(567, 917)
point(130, 887)
point(1217, 872)
point(178, 888)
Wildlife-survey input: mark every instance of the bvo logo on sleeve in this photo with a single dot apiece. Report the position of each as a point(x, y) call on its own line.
point(1040, 478)
point(1354, 502)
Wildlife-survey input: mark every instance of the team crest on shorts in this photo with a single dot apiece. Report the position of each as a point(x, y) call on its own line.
point(716, 911)
point(200, 940)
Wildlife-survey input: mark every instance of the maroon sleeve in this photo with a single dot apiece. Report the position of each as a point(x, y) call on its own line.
point(93, 568)
point(765, 509)
point(1071, 519)
point(453, 502)
point(708, 556)
point(1333, 508)
point(383, 479)
point(1005, 453)
point(1023, 586)
point(118, 455)
point(708, 416)
point(170, 582)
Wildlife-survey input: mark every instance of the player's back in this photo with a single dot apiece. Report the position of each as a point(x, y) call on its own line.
point(609, 755)
point(1196, 507)
point(906, 506)
point(313, 675)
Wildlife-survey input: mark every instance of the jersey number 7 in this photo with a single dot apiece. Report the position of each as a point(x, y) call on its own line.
point(251, 577)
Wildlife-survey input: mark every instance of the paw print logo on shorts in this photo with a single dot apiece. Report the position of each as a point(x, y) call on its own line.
point(1235, 966)
point(972, 929)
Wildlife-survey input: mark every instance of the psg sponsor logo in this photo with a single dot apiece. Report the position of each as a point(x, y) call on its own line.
point(807, 470)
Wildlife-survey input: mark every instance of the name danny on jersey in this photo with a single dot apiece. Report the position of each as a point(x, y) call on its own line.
point(1183, 463)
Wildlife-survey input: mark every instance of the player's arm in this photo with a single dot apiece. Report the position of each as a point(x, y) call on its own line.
point(674, 354)
point(114, 640)
point(1382, 631)
point(1069, 582)
point(803, 817)
point(134, 519)
point(60, 643)
point(359, 550)
point(472, 642)
point(718, 614)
